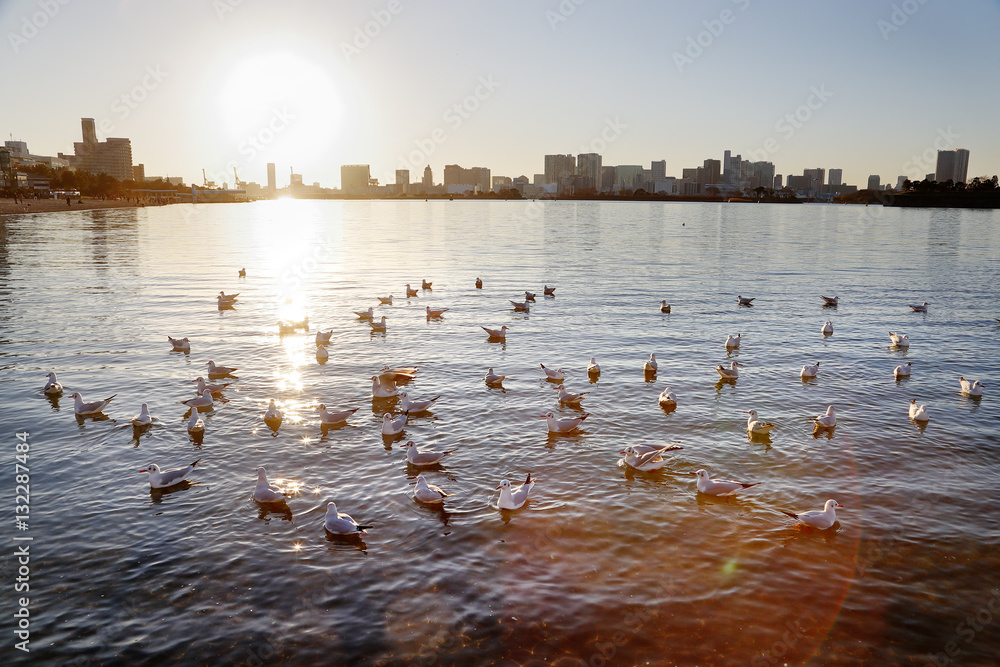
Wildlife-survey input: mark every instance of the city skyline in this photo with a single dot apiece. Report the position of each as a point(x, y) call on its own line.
point(308, 88)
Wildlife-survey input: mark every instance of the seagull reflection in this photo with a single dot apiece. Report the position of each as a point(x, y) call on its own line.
point(156, 495)
point(820, 430)
point(759, 438)
point(54, 400)
point(279, 509)
point(351, 542)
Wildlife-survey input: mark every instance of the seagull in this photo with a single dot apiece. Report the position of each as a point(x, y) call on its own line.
point(733, 341)
point(648, 460)
point(827, 328)
point(720, 487)
point(227, 298)
point(646, 448)
point(410, 291)
point(382, 388)
point(497, 334)
point(667, 398)
point(918, 414)
point(330, 418)
point(593, 370)
point(219, 371)
point(902, 371)
point(664, 307)
point(406, 405)
point(203, 401)
point(216, 389)
point(286, 328)
point(899, 341)
point(429, 493)
point(180, 344)
point(387, 300)
point(424, 458)
point(378, 326)
point(743, 301)
point(529, 296)
point(479, 283)
point(436, 312)
point(365, 314)
point(493, 379)
point(94, 408)
point(557, 375)
point(338, 523)
point(830, 300)
point(828, 419)
point(563, 424)
point(273, 413)
point(570, 398)
point(729, 373)
point(816, 518)
point(512, 500)
point(520, 307)
point(243, 273)
point(424, 284)
point(162, 479)
point(548, 291)
point(974, 388)
point(755, 425)
point(650, 365)
point(143, 418)
point(265, 492)
point(195, 425)
point(809, 371)
point(398, 374)
point(920, 308)
point(52, 387)
point(392, 426)
point(321, 353)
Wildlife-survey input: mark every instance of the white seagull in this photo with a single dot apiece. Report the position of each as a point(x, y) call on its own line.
point(161, 479)
point(215, 389)
point(920, 307)
point(902, 371)
point(377, 326)
point(203, 401)
point(809, 371)
point(227, 297)
point(755, 425)
point(406, 405)
point(816, 518)
point(425, 457)
point(529, 296)
point(733, 341)
point(435, 312)
point(265, 492)
point(93, 408)
point(424, 284)
point(512, 500)
point(520, 307)
point(366, 314)
point(570, 398)
point(827, 328)
point(828, 419)
point(918, 414)
point(429, 493)
point(593, 370)
point(729, 373)
point(273, 413)
point(386, 300)
point(327, 418)
point(650, 366)
point(830, 300)
point(899, 341)
point(143, 418)
point(323, 337)
point(410, 291)
point(219, 371)
point(548, 291)
point(664, 307)
point(648, 459)
point(398, 374)
point(719, 487)
point(225, 303)
point(493, 379)
point(743, 301)
point(667, 398)
point(382, 388)
point(496, 334)
point(52, 386)
point(555, 375)
point(196, 425)
point(392, 426)
point(974, 388)
point(180, 344)
point(563, 424)
point(339, 523)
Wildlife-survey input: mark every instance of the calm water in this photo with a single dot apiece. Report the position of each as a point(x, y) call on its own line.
point(604, 565)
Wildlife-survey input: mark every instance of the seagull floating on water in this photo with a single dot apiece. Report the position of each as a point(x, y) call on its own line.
point(219, 371)
point(203, 401)
point(570, 398)
point(830, 300)
point(827, 328)
point(52, 386)
point(496, 334)
point(755, 425)
point(650, 366)
point(227, 297)
point(743, 301)
point(974, 388)
point(918, 414)
point(719, 487)
point(520, 307)
point(382, 388)
point(424, 284)
point(273, 413)
point(338, 523)
point(392, 426)
point(809, 371)
point(512, 500)
point(180, 344)
point(386, 300)
point(378, 326)
point(429, 493)
point(593, 370)
point(365, 314)
point(93, 408)
point(406, 405)
point(215, 389)
point(479, 283)
point(493, 379)
point(902, 371)
point(327, 418)
point(664, 307)
point(667, 398)
point(920, 307)
point(265, 492)
point(161, 479)
point(398, 374)
point(816, 518)
point(733, 341)
point(143, 418)
point(555, 375)
point(425, 457)
point(410, 291)
point(563, 424)
point(436, 312)
point(548, 291)
point(196, 425)
point(243, 273)
point(828, 419)
point(729, 373)
point(899, 340)
point(529, 296)
point(649, 457)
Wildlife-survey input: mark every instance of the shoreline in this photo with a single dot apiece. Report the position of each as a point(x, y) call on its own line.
point(9, 207)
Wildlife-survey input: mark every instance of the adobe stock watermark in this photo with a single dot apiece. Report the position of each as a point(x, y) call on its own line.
point(967, 630)
point(793, 121)
point(562, 12)
point(918, 165)
point(223, 7)
point(900, 14)
point(699, 43)
point(123, 105)
point(32, 24)
point(364, 34)
point(635, 621)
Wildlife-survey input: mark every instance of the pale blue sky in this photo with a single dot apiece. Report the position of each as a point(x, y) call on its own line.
point(191, 81)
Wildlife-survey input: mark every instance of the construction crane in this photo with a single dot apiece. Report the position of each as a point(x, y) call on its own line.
point(207, 183)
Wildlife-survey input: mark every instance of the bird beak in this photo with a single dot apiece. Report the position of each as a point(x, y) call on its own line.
point(692, 473)
point(839, 505)
point(143, 470)
point(498, 486)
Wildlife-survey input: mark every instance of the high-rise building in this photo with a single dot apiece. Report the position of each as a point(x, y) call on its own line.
point(899, 182)
point(836, 177)
point(777, 181)
point(628, 177)
point(817, 179)
point(874, 182)
point(501, 183)
point(272, 184)
point(138, 172)
point(589, 166)
point(557, 166)
point(607, 179)
point(402, 181)
point(428, 180)
point(711, 172)
point(658, 171)
point(952, 166)
point(457, 179)
point(732, 168)
point(112, 157)
point(354, 179)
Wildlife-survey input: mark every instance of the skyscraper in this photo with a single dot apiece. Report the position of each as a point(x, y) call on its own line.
point(428, 179)
point(836, 177)
point(557, 166)
point(874, 182)
point(658, 171)
point(354, 178)
point(402, 181)
point(952, 166)
point(271, 180)
point(112, 157)
point(589, 165)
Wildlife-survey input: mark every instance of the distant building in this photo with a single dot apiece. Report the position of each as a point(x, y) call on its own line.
point(658, 171)
point(557, 166)
point(295, 180)
point(458, 180)
point(354, 178)
point(874, 182)
point(272, 182)
point(760, 174)
point(952, 166)
point(732, 169)
point(899, 182)
point(538, 179)
point(112, 157)
point(777, 182)
point(817, 179)
point(607, 179)
point(138, 172)
point(428, 180)
point(589, 166)
point(628, 177)
point(20, 156)
point(711, 172)
point(836, 177)
point(801, 184)
point(402, 181)
point(499, 183)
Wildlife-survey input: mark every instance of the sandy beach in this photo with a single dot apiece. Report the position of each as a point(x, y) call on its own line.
point(9, 207)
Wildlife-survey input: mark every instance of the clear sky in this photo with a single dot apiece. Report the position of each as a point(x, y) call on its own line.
point(868, 86)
